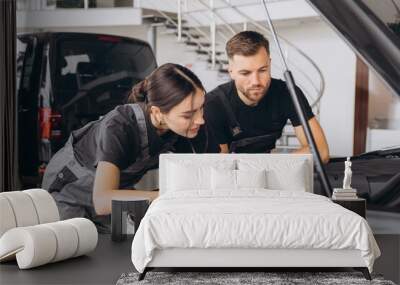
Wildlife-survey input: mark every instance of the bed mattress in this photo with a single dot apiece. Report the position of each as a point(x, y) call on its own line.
point(250, 219)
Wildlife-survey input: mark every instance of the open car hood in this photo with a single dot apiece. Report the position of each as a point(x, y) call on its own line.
point(366, 34)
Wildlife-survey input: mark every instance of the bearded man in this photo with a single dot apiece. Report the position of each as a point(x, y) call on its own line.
point(249, 113)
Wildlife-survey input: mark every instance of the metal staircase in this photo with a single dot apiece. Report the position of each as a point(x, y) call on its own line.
point(209, 43)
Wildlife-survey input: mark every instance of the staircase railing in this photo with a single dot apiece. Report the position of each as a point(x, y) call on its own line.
point(191, 38)
point(210, 52)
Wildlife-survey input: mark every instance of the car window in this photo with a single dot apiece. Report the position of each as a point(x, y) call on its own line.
point(83, 64)
point(72, 63)
point(95, 74)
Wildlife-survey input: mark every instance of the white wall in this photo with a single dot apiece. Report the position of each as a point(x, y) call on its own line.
point(200, 14)
point(170, 50)
point(337, 63)
point(384, 105)
point(79, 17)
point(383, 115)
point(139, 32)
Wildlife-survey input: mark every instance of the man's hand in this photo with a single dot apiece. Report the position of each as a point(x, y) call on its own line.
point(319, 137)
point(224, 148)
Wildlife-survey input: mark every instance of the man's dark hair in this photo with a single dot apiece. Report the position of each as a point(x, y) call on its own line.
point(246, 43)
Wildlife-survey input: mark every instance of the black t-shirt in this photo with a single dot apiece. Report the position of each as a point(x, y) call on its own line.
point(268, 116)
point(116, 139)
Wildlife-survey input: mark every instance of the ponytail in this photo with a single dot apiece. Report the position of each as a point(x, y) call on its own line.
point(165, 87)
point(138, 92)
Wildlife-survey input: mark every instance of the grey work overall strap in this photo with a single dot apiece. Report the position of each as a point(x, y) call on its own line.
point(134, 173)
point(144, 140)
point(232, 121)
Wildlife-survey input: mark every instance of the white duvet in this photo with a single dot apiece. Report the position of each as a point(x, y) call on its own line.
point(251, 218)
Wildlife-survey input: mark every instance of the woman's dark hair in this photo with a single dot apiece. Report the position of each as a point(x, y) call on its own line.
point(166, 87)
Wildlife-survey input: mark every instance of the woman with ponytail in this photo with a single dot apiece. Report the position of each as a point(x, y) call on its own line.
point(164, 113)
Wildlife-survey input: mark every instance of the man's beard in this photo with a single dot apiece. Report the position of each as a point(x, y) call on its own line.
point(255, 94)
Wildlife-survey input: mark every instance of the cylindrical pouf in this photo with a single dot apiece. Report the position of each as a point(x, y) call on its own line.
point(7, 218)
point(87, 235)
point(23, 208)
point(33, 246)
point(40, 244)
point(45, 205)
point(67, 239)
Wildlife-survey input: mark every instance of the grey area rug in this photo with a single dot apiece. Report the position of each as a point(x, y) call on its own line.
point(273, 278)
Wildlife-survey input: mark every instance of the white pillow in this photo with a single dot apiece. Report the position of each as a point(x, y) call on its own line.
point(235, 179)
point(223, 179)
point(187, 175)
point(278, 182)
point(292, 177)
point(282, 174)
point(251, 178)
point(184, 178)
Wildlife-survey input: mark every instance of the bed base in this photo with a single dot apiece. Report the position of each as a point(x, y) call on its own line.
point(363, 270)
point(242, 259)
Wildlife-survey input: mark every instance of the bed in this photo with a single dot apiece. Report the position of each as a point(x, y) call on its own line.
point(247, 210)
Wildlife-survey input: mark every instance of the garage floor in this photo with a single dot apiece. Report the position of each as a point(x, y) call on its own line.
point(386, 228)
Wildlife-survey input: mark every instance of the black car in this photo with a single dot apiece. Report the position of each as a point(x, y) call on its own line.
point(376, 176)
point(66, 80)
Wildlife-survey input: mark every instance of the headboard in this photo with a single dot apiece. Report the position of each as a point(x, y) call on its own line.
point(240, 161)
